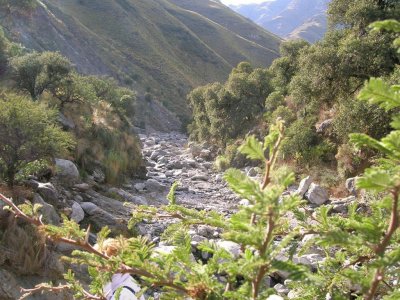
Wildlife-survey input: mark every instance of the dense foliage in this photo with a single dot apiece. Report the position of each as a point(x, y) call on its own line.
point(28, 134)
point(222, 112)
point(97, 111)
point(313, 88)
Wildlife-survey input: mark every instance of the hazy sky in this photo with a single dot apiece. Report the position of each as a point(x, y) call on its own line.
point(234, 2)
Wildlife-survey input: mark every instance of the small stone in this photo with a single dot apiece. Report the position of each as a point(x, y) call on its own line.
point(47, 210)
point(201, 177)
point(98, 176)
point(48, 192)
point(83, 187)
point(351, 185)
point(281, 289)
point(317, 195)
point(77, 213)
point(232, 247)
point(89, 207)
point(140, 187)
point(153, 185)
point(304, 186)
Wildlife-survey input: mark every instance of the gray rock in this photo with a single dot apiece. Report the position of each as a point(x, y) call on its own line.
point(324, 126)
point(244, 202)
point(154, 186)
point(140, 187)
point(83, 187)
point(342, 205)
point(195, 150)
point(206, 154)
point(89, 208)
point(281, 289)
point(48, 192)
point(317, 195)
point(252, 172)
point(157, 153)
point(9, 288)
point(65, 122)
point(98, 175)
point(304, 186)
point(351, 185)
point(77, 214)
point(163, 249)
point(129, 197)
point(47, 211)
point(232, 247)
point(67, 170)
point(201, 177)
point(99, 218)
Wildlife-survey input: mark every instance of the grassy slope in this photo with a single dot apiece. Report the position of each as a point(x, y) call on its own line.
point(151, 45)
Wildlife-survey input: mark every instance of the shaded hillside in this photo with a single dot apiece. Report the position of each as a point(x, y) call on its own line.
point(291, 19)
point(152, 46)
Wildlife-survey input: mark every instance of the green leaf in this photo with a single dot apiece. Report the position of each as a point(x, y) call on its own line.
point(171, 195)
point(252, 148)
point(377, 91)
point(390, 25)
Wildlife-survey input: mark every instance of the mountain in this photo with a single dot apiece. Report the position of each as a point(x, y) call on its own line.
point(163, 47)
point(289, 19)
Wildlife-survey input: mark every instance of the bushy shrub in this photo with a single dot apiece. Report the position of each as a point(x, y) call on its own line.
point(28, 133)
point(221, 163)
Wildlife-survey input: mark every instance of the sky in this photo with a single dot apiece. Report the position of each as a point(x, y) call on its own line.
point(235, 2)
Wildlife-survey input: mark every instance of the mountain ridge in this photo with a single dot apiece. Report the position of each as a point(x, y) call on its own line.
point(163, 48)
point(289, 19)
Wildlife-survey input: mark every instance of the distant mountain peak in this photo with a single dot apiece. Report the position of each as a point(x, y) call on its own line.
point(289, 19)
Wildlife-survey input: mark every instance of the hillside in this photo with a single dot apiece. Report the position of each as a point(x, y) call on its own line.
point(290, 19)
point(161, 47)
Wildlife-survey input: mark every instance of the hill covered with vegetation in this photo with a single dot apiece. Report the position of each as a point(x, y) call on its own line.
point(164, 48)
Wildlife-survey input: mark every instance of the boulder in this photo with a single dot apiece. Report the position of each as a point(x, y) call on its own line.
point(317, 194)
point(351, 185)
point(67, 170)
point(65, 122)
point(83, 187)
point(324, 126)
point(48, 192)
point(232, 247)
point(139, 200)
point(9, 288)
point(47, 211)
point(206, 154)
point(139, 186)
point(77, 214)
point(201, 177)
point(89, 208)
point(304, 186)
point(281, 289)
point(99, 218)
point(153, 185)
point(157, 153)
point(195, 150)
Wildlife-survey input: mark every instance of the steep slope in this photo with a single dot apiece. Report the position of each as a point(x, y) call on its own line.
point(157, 46)
point(289, 18)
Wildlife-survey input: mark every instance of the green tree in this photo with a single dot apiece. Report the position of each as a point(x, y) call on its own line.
point(3, 51)
point(36, 72)
point(28, 133)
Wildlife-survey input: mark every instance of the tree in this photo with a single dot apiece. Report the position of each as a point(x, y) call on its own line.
point(28, 133)
point(3, 51)
point(36, 72)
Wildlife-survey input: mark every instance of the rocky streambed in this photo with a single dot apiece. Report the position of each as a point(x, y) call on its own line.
point(169, 158)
